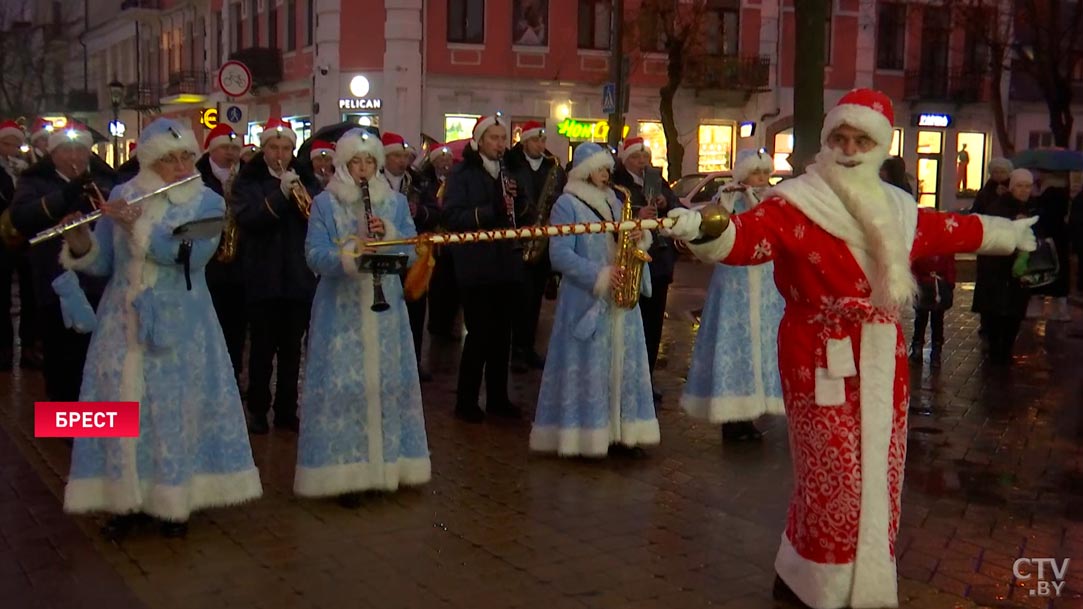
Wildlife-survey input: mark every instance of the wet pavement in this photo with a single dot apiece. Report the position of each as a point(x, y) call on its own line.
point(994, 473)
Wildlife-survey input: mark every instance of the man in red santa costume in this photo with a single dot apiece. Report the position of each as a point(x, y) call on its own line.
point(842, 241)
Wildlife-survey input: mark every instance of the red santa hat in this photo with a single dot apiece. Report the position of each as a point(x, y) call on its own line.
point(221, 135)
point(393, 142)
point(321, 148)
point(276, 127)
point(42, 128)
point(532, 129)
point(74, 133)
point(631, 146)
point(865, 109)
point(11, 128)
point(437, 149)
point(483, 125)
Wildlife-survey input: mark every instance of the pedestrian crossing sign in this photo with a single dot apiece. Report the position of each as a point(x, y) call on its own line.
point(609, 98)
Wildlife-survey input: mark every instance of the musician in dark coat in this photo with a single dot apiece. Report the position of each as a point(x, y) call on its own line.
point(541, 179)
point(15, 261)
point(635, 157)
point(48, 192)
point(278, 284)
point(225, 279)
point(1052, 209)
point(443, 293)
point(487, 273)
point(402, 178)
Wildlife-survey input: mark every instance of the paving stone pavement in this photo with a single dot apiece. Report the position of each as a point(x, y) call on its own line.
point(994, 473)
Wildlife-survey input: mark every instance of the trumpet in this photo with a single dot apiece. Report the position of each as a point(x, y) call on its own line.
point(300, 195)
point(60, 229)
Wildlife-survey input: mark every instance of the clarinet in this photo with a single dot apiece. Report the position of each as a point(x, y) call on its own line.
point(509, 201)
point(379, 303)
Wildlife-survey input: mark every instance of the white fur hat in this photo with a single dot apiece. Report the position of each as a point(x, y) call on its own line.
point(161, 137)
point(588, 158)
point(749, 161)
point(74, 133)
point(358, 141)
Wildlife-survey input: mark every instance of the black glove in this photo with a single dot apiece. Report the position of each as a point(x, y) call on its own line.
point(75, 189)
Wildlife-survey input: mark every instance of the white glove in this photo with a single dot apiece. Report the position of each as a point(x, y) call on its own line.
point(1025, 241)
point(687, 226)
point(287, 180)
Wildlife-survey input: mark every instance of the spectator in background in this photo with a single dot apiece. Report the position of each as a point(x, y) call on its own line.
point(893, 171)
point(936, 285)
point(1000, 170)
point(1052, 209)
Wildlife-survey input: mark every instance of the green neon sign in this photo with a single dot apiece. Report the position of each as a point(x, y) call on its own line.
point(585, 130)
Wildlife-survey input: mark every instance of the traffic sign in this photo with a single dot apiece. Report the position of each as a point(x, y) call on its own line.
point(234, 78)
point(609, 98)
point(234, 115)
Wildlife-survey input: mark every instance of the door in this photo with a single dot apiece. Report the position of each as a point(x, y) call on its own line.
point(930, 150)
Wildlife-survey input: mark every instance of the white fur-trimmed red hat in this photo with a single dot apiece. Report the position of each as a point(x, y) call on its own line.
point(532, 129)
point(74, 133)
point(749, 161)
point(358, 141)
point(321, 148)
point(11, 128)
point(631, 145)
point(276, 127)
point(867, 110)
point(483, 125)
point(438, 149)
point(42, 128)
point(393, 142)
point(221, 135)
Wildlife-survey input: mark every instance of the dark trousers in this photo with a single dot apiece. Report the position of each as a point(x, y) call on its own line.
point(278, 327)
point(416, 311)
point(487, 348)
point(1002, 330)
point(443, 296)
point(10, 264)
point(654, 313)
point(525, 324)
point(64, 353)
point(228, 302)
point(921, 320)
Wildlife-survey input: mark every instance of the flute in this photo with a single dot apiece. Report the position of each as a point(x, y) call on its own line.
point(60, 229)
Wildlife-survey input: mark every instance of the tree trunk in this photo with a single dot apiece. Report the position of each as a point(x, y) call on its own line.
point(674, 76)
point(1059, 101)
point(808, 91)
point(1007, 146)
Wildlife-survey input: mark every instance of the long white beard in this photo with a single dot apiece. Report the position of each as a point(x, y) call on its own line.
point(861, 191)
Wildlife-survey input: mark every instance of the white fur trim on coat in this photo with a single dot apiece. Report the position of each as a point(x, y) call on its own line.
point(874, 124)
point(590, 442)
point(715, 250)
point(596, 198)
point(348, 256)
point(601, 284)
point(160, 145)
point(998, 236)
point(83, 262)
point(174, 503)
point(350, 477)
point(727, 409)
point(598, 160)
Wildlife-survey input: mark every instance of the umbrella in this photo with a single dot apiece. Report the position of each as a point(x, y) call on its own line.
point(332, 133)
point(457, 147)
point(1049, 159)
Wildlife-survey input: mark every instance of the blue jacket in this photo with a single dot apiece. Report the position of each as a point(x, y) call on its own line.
point(273, 231)
point(39, 203)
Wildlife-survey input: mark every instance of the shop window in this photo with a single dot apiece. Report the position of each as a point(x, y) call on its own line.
point(896, 142)
point(594, 24)
point(302, 126)
point(930, 142)
point(715, 148)
point(655, 139)
point(459, 126)
point(466, 21)
point(783, 150)
point(970, 161)
point(928, 176)
point(721, 24)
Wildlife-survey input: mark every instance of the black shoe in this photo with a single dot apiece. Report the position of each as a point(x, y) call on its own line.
point(631, 452)
point(288, 423)
point(533, 360)
point(504, 409)
point(470, 414)
point(258, 425)
point(783, 593)
point(118, 527)
point(741, 431)
point(174, 530)
point(915, 353)
point(31, 359)
point(350, 501)
point(934, 356)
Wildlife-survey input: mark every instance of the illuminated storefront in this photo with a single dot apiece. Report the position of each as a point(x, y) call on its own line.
point(459, 126)
point(578, 131)
point(359, 107)
point(715, 148)
point(654, 137)
point(969, 161)
point(930, 148)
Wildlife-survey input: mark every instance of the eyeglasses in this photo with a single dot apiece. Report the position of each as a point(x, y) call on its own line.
point(182, 158)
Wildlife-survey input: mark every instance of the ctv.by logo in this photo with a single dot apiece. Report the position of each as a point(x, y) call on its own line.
point(1027, 568)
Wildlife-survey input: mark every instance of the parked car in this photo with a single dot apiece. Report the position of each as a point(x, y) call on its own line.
point(697, 189)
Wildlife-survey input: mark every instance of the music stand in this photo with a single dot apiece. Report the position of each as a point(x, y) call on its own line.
point(205, 228)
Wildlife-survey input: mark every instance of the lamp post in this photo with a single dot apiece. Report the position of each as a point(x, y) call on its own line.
point(116, 92)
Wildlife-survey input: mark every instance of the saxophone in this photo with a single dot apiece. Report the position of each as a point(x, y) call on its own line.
point(227, 247)
point(630, 259)
point(533, 250)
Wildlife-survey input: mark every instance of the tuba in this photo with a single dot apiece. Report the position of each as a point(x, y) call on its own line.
point(630, 259)
point(227, 247)
point(533, 250)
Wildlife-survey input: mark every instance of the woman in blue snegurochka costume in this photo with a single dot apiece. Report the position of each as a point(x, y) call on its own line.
point(362, 426)
point(734, 378)
point(158, 342)
point(596, 388)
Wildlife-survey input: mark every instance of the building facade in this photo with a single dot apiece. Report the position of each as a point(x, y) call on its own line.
point(429, 69)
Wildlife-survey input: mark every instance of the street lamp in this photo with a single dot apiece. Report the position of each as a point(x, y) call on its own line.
point(116, 92)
